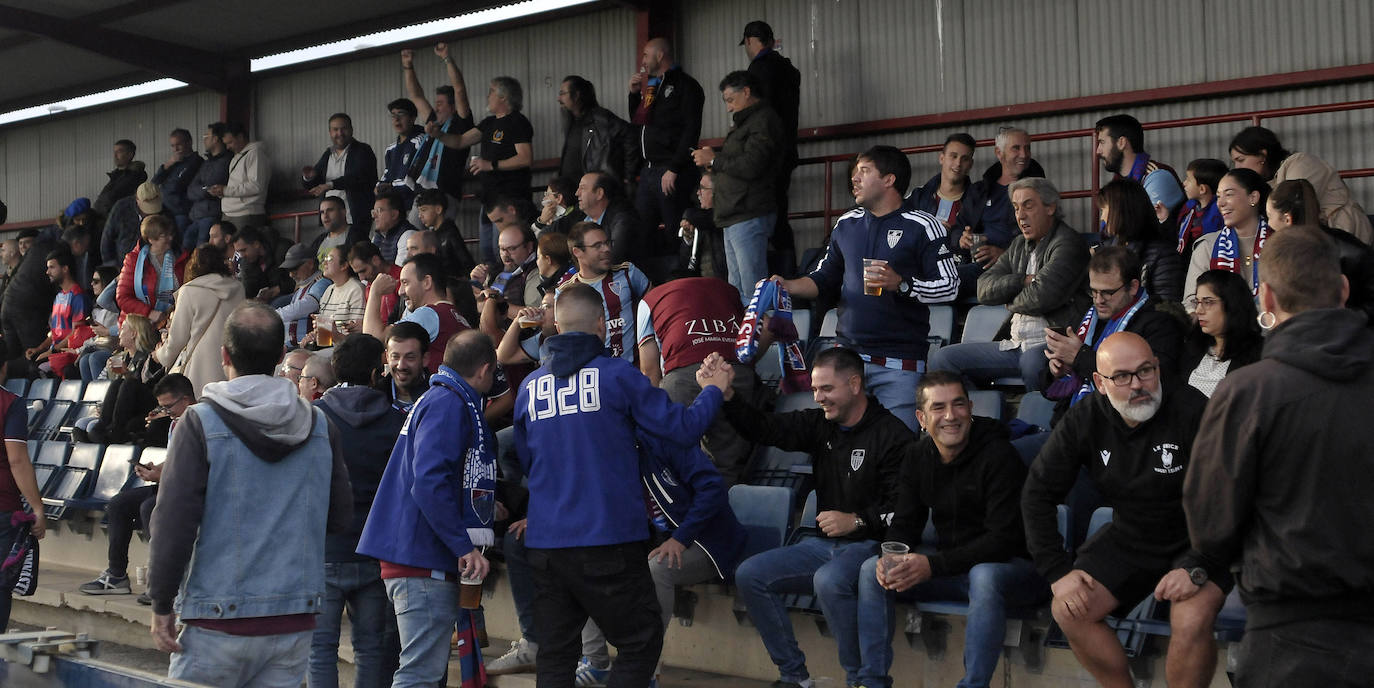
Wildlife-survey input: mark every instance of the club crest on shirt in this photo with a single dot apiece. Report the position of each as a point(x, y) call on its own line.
point(856, 459)
point(1167, 465)
point(893, 236)
point(668, 91)
point(498, 136)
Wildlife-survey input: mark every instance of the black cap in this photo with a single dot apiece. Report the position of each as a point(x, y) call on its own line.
point(758, 29)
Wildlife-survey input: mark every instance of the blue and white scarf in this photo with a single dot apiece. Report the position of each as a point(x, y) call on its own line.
point(166, 280)
point(770, 298)
point(1226, 252)
point(479, 461)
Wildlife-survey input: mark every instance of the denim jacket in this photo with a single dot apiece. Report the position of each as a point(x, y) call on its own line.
point(245, 564)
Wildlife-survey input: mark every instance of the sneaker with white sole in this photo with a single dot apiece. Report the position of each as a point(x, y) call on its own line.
point(518, 660)
point(107, 584)
point(588, 676)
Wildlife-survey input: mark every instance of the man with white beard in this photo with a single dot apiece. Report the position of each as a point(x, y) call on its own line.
point(1134, 438)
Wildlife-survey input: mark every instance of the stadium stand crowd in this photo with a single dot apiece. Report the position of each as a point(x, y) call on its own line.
point(610, 390)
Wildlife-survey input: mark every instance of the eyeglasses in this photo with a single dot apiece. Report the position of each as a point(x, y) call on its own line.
point(1207, 302)
point(509, 249)
point(1146, 373)
point(1096, 294)
point(606, 243)
point(287, 369)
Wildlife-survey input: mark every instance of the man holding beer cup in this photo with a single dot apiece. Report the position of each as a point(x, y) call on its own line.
point(434, 509)
point(966, 472)
point(886, 265)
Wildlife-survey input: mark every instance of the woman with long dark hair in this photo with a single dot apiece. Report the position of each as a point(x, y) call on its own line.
point(1225, 336)
point(1128, 219)
point(1237, 246)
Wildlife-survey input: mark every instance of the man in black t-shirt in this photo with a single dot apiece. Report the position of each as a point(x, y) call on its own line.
point(503, 166)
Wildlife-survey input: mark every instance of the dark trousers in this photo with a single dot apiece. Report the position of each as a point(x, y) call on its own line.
point(1331, 653)
point(128, 511)
point(611, 585)
point(655, 207)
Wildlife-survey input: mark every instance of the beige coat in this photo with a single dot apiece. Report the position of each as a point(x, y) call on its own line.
point(202, 307)
point(1338, 208)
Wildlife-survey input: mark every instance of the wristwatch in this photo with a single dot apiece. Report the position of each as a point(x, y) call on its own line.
point(859, 522)
point(1197, 575)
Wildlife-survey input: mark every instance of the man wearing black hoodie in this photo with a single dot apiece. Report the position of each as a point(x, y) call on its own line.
point(1134, 437)
point(368, 424)
point(966, 472)
point(856, 448)
point(254, 478)
point(1286, 487)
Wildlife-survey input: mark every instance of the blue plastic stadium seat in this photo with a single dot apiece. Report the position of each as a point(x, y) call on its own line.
point(768, 367)
point(51, 420)
point(830, 322)
point(70, 390)
point(95, 391)
point(42, 388)
point(986, 403)
point(1036, 410)
point(116, 467)
point(17, 385)
point(765, 513)
point(942, 323)
point(802, 319)
point(982, 323)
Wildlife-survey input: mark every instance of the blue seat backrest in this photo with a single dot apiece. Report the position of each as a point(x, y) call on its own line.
point(42, 389)
point(767, 366)
point(942, 323)
point(764, 512)
point(983, 322)
point(17, 385)
point(829, 323)
point(115, 468)
point(53, 454)
point(986, 403)
point(85, 455)
point(43, 474)
point(808, 515)
point(95, 391)
point(70, 390)
point(68, 485)
point(802, 319)
point(1035, 409)
point(1102, 515)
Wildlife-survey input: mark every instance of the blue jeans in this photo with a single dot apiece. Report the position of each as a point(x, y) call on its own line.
point(355, 586)
point(92, 363)
point(426, 612)
point(895, 390)
point(746, 253)
point(197, 233)
point(986, 361)
point(818, 565)
point(229, 661)
point(989, 588)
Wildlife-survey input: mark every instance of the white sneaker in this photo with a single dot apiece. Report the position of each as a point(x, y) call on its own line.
point(518, 660)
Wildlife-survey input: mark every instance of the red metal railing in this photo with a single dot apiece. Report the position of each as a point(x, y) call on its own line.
point(828, 211)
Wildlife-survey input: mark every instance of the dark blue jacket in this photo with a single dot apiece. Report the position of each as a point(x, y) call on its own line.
point(576, 420)
point(895, 323)
point(173, 182)
point(368, 425)
point(423, 515)
point(987, 207)
point(691, 493)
